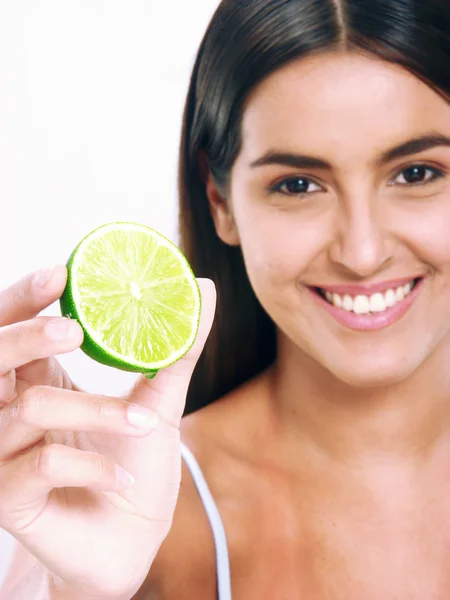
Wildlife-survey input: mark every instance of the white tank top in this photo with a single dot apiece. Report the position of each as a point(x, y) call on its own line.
point(220, 540)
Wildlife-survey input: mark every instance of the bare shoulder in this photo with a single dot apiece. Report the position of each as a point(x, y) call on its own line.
point(185, 566)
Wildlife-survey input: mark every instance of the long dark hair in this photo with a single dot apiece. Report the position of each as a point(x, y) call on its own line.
point(246, 41)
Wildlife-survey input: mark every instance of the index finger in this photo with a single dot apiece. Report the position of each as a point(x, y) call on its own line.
point(27, 297)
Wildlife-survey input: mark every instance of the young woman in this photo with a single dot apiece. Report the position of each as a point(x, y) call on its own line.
point(315, 194)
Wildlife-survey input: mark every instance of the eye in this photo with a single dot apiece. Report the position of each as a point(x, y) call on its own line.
point(418, 175)
point(296, 186)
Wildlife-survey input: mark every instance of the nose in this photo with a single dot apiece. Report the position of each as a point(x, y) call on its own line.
point(361, 245)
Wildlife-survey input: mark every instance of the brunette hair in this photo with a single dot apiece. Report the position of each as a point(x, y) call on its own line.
point(246, 41)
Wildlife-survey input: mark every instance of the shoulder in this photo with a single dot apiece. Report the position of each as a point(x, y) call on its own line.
point(185, 566)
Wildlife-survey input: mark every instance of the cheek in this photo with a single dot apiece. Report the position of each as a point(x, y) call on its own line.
point(279, 246)
point(427, 233)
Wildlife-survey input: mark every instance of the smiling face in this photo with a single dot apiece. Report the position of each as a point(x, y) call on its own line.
point(343, 182)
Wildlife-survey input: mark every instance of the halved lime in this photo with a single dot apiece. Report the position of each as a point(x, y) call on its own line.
point(135, 296)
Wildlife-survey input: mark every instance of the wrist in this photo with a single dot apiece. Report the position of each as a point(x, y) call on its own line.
point(58, 589)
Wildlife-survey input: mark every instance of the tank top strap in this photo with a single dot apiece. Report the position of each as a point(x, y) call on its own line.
point(218, 530)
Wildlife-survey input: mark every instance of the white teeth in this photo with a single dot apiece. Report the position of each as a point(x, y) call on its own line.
point(347, 303)
point(376, 303)
point(400, 294)
point(337, 300)
point(390, 298)
point(361, 305)
point(408, 287)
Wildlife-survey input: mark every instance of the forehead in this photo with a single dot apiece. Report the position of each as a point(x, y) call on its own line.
point(340, 101)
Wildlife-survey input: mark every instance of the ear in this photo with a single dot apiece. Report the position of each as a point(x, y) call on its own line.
point(219, 207)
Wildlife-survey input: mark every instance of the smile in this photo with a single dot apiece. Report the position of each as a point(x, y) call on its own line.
point(376, 303)
point(369, 311)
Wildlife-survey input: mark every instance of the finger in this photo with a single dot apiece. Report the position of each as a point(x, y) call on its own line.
point(28, 341)
point(31, 476)
point(42, 337)
point(7, 388)
point(30, 295)
point(45, 371)
point(166, 393)
point(26, 420)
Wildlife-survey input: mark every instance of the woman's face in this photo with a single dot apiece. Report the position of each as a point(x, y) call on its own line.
point(340, 199)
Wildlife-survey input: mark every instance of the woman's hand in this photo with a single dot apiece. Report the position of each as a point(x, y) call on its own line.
point(65, 454)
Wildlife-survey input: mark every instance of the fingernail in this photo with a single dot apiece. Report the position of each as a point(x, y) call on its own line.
point(60, 330)
point(44, 276)
point(123, 478)
point(141, 417)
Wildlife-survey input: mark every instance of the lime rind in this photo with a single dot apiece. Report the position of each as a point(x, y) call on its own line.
point(167, 306)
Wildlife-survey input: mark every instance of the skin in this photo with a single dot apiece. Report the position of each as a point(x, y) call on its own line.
point(330, 470)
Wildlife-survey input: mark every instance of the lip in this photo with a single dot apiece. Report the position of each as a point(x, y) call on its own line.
point(367, 289)
point(370, 322)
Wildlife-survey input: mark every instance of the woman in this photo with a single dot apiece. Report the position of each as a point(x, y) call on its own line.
point(315, 193)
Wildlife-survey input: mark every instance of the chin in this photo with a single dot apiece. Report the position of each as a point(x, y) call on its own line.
point(383, 372)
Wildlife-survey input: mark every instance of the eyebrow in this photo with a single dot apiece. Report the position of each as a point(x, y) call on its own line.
point(299, 161)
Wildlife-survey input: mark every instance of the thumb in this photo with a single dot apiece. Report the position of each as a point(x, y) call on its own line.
point(166, 393)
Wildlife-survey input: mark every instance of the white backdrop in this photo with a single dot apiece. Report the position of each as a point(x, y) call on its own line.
point(91, 99)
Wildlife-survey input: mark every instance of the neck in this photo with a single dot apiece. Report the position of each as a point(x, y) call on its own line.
point(407, 420)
